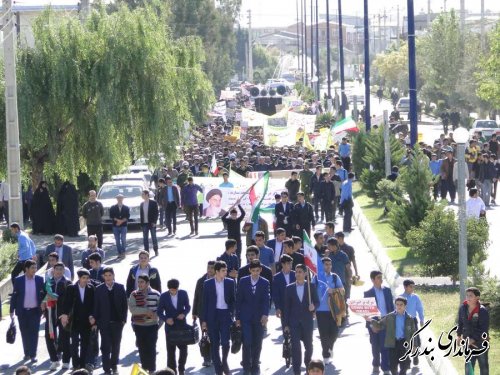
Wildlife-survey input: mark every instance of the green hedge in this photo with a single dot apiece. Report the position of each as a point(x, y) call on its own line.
point(7, 258)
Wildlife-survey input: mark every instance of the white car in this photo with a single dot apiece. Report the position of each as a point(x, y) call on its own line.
point(132, 192)
point(127, 177)
point(486, 127)
point(403, 104)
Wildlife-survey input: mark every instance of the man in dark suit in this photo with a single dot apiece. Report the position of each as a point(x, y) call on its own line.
point(276, 244)
point(26, 303)
point(283, 212)
point(110, 314)
point(327, 196)
point(302, 217)
point(143, 268)
point(252, 311)
point(64, 251)
point(217, 315)
point(301, 301)
point(314, 186)
point(280, 281)
point(198, 300)
point(56, 337)
point(120, 215)
point(385, 304)
point(78, 307)
point(149, 217)
point(173, 309)
point(172, 202)
point(252, 254)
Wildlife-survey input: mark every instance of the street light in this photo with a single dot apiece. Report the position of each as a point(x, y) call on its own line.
point(461, 136)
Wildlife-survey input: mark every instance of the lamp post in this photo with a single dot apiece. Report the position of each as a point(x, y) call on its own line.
point(461, 136)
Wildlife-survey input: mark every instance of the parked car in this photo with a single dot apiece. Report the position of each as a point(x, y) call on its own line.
point(486, 127)
point(403, 105)
point(127, 177)
point(132, 192)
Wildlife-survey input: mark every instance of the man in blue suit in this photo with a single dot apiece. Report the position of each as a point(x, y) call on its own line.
point(110, 313)
point(301, 301)
point(217, 314)
point(385, 305)
point(252, 311)
point(280, 281)
point(172, 309)
point(26, 303)
point(277, 245)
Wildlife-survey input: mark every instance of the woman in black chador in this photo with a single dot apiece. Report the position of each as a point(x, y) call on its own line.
point(67, 210)
point(42, 212)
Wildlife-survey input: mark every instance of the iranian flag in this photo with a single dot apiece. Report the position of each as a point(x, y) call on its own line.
point(344, 125)
point(214, 169)
point(312, 258)
point(256, 195)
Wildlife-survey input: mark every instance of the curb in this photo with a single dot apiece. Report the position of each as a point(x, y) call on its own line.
point(439, 364)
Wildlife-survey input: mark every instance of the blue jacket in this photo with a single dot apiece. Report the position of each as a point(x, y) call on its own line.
point(279, 286)
point(251, 306)
point(17, 299)
point(297, 313)
point(210, 298)
point(189, 195)
point(389, 303)
point(101, 304)
point(166, 309)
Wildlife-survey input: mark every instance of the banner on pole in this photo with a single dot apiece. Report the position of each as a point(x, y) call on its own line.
point(302, 121)
point(364, 306)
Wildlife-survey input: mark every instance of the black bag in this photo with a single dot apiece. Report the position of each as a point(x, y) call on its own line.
point(11, 333)
point(236, 338)
point(184, 335)
point(204, 345)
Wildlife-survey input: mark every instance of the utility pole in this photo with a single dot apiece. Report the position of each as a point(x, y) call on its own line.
point(379, 35)
point(302, 38)
point(305, 41)
point(328, 52)
point(462, 17)
point(11, 116)
point(318, 88)
point(312, 45)
point(483, 36)
point(298, 38)
point(341, 62)
point(398, 32)
point(250, 49)
point(367, 68)
point(412, 116)
point(428, 14)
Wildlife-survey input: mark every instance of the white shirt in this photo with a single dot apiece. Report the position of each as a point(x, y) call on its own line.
point(82, 292)
point(287, 277)
point(278, 249)
point(145, 210)
point(174, 299)
point(59, 251)
point(474, 206)
point(219, 289)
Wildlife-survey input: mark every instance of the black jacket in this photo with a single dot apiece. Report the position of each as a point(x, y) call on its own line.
point(80, 311)
point(327, 191)
point(102, 308)
point(314, 186)
point(154, 279)
point(234, 226)
point(115, 213)
point(198, 296)
point(281, 213)
point(303, 216)
point(152, 213)
point(474, 327)
point(293, 187)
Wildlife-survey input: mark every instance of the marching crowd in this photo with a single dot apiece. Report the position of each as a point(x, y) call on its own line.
point(89, 314)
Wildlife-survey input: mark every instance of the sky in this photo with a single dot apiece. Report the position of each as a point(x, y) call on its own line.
point(279, 13)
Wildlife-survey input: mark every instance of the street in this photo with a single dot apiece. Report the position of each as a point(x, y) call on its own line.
point(185, 258)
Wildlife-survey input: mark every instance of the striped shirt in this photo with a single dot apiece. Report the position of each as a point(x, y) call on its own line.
point(140, 303)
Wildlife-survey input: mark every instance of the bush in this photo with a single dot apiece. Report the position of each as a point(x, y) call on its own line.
point(435, 242)
point(8, 258)
point(325, 120)
point(375, 157)
point(416, 180)
point(388, 191)
point(7, 236)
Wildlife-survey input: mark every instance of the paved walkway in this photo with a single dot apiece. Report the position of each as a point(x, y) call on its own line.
point(185, 258)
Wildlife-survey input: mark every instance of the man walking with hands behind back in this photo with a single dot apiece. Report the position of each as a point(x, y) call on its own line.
point(149, 217)
point(301, 301)
point(120, 214)
point(92, 212)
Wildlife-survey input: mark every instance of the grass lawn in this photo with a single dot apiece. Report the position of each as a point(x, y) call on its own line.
point(401, 259)
point(441, 305)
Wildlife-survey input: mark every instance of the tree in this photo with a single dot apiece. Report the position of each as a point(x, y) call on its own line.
point(215, 26)
point(415, 180)
point(392, 67)
point(92, 95)
point(375, 158)
point(435, 242)
point(264, 63)
point(487, 75)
